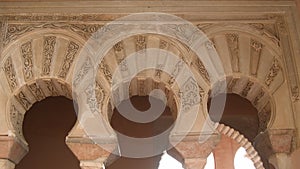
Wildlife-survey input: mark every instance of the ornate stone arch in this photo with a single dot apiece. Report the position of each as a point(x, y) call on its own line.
point(256, 93)
point(247, 51)
point(243, 142)
point(35, 65)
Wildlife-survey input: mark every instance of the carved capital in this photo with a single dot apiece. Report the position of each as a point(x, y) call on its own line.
point(275, 141)
point(12, 149)
point(190, 147)
point(86, 150)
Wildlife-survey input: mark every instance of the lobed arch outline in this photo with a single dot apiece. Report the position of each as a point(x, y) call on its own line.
point(268, 106)
point(243, 142)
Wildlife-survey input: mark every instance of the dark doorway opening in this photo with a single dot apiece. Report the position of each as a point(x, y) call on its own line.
point(45, 128)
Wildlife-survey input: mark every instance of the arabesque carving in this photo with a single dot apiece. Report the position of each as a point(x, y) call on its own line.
point(274, 70)
point(26, 52)
point(16, 30)
point(256, 48)
point(72, 50)
point(48, 50)
point(233, 45)
point(10, 73)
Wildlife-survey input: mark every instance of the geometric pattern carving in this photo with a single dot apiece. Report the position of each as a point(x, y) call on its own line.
point(10, 73)
point(26, 51)
point(72, 50)
point(49, 45)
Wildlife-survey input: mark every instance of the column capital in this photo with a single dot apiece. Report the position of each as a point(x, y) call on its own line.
point(12, 148)
point(194, 151)
point(276, 141)
point(273, 142)
point(86, 150)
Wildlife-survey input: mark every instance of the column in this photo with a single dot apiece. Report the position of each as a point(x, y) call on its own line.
point(12, 150)
point(91, 155)
point(275, 146)
point(194, 153)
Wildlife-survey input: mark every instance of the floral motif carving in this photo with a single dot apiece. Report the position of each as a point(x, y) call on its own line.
point(264, 117)
point(275, 68)
point(72, 50)
point(118, 47)
point(36, 91)
point(232, 84)
point(100, 94)
point(258, 97)
point(268, 31)
point(26, 51)
point(16, 120)
point(233, 45)
point(92, 99)
point(65, 90)
point(140, 42)
point(51, 88)
point(49, 45)
point(202, 70)
point(10, 73)
point(16, 30)
point(163, 44)
point(21, 97)
point(256, 48)
point(141, 85)
point(158, 70)
point(175, 73)
point(83, 71)
point(104, 68)
point(189, 94)
point(247, 89)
